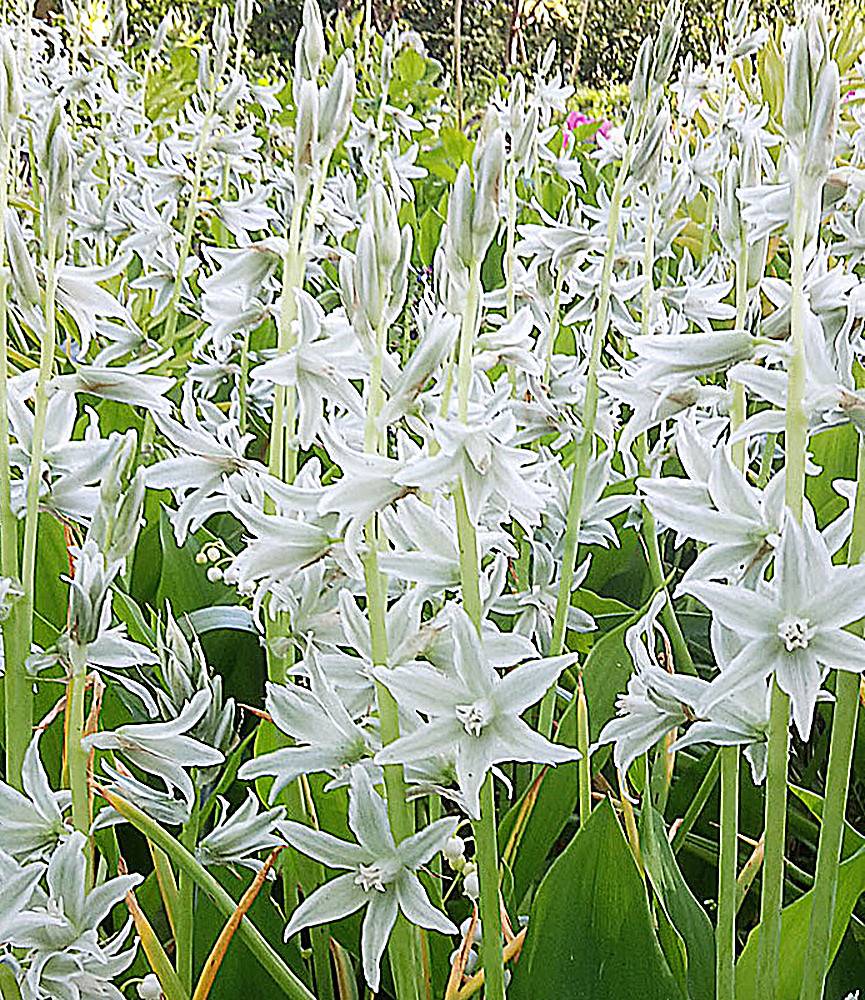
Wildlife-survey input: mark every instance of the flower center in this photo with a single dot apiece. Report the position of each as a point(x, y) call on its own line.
point(473, 718)
point(795, 633)
point(370, 877)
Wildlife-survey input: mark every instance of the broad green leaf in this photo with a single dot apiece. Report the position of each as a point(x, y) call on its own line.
point(681, 908)
point(794, 933)
point(590, 929)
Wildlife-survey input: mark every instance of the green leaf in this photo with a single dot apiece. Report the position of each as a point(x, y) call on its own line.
point(590, 930)
point(795, 920)
point(680, 907)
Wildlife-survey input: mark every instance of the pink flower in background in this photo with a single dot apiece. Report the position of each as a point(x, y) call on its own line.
point(575, 119)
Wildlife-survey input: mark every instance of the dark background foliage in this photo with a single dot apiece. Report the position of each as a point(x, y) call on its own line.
point(613, 32)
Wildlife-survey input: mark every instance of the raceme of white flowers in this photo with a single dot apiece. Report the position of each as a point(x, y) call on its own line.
point(395, 407)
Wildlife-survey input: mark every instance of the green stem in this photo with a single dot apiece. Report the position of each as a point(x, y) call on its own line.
point(458, 61)
point(185, 933)
point(76, 755)
point(584, 766)
point(487, 854)
point(186, 864)
point(698, 801)
point(796, 443)
point(772, 898)
point(510, 256)
point(19, 688)
point(403, 948)
point(817, 957)
point(585, 446)
point(170, 331)
point(725, 932)
point(12, 630)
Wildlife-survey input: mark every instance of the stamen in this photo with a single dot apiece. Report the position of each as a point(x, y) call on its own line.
point(795, 633)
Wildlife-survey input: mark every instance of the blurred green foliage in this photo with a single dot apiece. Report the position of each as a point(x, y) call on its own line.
point(613, 32)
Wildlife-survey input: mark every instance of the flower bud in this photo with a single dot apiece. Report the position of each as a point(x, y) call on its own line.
point(823, 124)
point(165, 25)
point(56, 170)
point(385, 227)
point(640, 79)
point(149, 988)
point(647, 159)
point(667, 44)
point(20, 261)
point(336, 104)
point(524, 142)
point(488, 183)
point(367, 277)
point(11, 101)
point(460, 205)
point(454, 848)
point(472, 886)
point(797, 89)
point(221, 34)
point(305, 135)
point(310, 40)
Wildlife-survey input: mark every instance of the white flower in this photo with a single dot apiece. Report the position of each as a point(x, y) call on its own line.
point(474, 710)
point(380, 874)
point(162, 748)
point(793, 626)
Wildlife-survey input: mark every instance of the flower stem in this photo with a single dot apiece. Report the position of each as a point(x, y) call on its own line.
point(403, 947)
point(185, 862)
point(772, 898)
point(19, 689)
point(488, 869)
point(14, 653)
point(584, 765)
point(184, 936)
point(837, 786)
point(585, 446)
point(76, 755)
point(725, 932)
point(484, 828)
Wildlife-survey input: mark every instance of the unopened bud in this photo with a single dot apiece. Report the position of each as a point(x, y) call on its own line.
point(336, 103)
point(485, 214)
point(11, 101)
point(460, 207)
point(454, 848)
point(472, 885)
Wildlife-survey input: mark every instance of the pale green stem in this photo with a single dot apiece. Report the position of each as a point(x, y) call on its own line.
point(772, 898)
point(510, 236)
point(585, 446)
point(725, 932)
point(170, 331)
point(76, 755)
point(14, 651)
point(728, 846)
point(403, 947)
point(796, 441)
point(584, 766)
point(19, 689)
point(487, 854)
point(185, 934)
point(484, 828)
point(837, 786)
point(185, 862)
point(649, 530)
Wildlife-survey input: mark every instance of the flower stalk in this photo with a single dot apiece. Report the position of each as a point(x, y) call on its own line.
point(817, 958)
